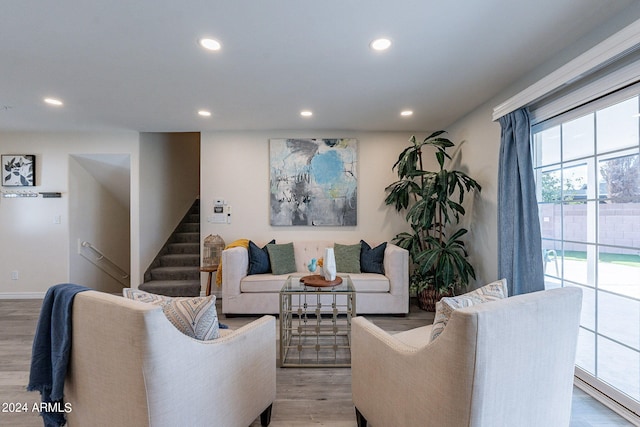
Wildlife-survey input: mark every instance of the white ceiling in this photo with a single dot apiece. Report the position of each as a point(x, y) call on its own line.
point(136, 65)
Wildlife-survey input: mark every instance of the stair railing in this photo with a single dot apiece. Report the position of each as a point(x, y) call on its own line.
point(101, 261)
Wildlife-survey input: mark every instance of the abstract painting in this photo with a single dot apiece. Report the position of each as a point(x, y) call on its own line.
point(313, 182)
point(18, 170)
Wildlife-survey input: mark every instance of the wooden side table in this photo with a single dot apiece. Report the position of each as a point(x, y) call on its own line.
point(209, 269)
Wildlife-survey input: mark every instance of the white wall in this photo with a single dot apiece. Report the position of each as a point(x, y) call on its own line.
point(165, 166)
point(170, 183)
point(99, 217)
point(30, 241)
point(235, 167)
point(480, 138)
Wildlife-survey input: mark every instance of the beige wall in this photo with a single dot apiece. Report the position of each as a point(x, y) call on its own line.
point(99, 214)
point(30, 241)
point(164, 180)
point(235, 167)
point(480, 138)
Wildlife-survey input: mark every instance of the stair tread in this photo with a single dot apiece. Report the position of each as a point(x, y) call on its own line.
point(179, 259)
point(186, 237)
point(181, 256)
point(188, 227)
point(177, 268)
point(173, 282)
point(183, 247)
point(173, 288)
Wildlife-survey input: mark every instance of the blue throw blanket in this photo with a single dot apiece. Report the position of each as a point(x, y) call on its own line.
point(51, 347)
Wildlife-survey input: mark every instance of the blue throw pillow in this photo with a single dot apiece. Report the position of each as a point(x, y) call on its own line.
point(259, 259)
point(372, 260)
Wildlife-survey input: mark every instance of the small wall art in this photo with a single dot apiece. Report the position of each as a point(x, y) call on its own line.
point(18, 170)
point(313, 182)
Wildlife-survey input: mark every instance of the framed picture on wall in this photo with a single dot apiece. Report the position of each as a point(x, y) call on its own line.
point(313, 181)
point(18, 170)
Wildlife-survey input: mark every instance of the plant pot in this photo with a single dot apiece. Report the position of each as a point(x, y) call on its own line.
point(427, 298)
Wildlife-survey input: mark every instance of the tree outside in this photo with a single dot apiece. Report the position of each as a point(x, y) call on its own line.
point(622, 176)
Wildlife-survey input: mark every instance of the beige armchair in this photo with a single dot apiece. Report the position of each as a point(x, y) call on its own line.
point(503, 363)
point(130, 366)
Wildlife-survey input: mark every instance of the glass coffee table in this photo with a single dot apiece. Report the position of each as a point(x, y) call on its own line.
point(315, 324)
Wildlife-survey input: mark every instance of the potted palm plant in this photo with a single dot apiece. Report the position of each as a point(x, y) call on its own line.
point(433, 204)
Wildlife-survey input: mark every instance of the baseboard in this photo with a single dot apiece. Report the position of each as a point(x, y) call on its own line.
point(22, 295)
point(615, 406)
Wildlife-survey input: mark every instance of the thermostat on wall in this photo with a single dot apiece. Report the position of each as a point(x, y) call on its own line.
point(218, 216)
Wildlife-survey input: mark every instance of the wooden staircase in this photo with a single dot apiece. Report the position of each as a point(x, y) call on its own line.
point(176, 269)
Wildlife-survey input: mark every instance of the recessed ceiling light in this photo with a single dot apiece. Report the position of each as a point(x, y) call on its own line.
point(306, 113)
point(406, 113)
point(204, 113)
point(210, 44)
point(380, 44)
point(53, 101)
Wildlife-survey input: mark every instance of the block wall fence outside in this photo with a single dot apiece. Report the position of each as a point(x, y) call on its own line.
point(618, 224)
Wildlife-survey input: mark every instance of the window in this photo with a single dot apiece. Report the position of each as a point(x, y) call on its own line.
point(587, 169)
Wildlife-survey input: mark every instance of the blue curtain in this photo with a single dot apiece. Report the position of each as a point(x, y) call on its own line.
point(519, 239)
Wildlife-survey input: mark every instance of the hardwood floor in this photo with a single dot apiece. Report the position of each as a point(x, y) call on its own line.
point(18, 319)
point(305, 397)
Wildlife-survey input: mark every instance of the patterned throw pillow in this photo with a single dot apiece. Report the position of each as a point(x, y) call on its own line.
point(445, 307)
point(193, 316)
point(143, 296)
point(347, 258)
point(372, 260)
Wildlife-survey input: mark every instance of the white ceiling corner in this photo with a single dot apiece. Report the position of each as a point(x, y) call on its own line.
point(137, 65)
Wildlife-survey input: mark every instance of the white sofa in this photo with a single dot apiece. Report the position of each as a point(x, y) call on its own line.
point(129, 366)
point(503, 363)
point(258, 293)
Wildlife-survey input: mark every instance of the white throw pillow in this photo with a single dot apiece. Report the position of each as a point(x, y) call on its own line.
point(193, 316)
point(445, 307)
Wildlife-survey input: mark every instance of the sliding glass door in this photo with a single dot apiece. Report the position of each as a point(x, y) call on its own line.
point(588, 185)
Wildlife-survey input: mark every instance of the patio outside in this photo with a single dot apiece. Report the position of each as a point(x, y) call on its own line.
point(610, 322)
